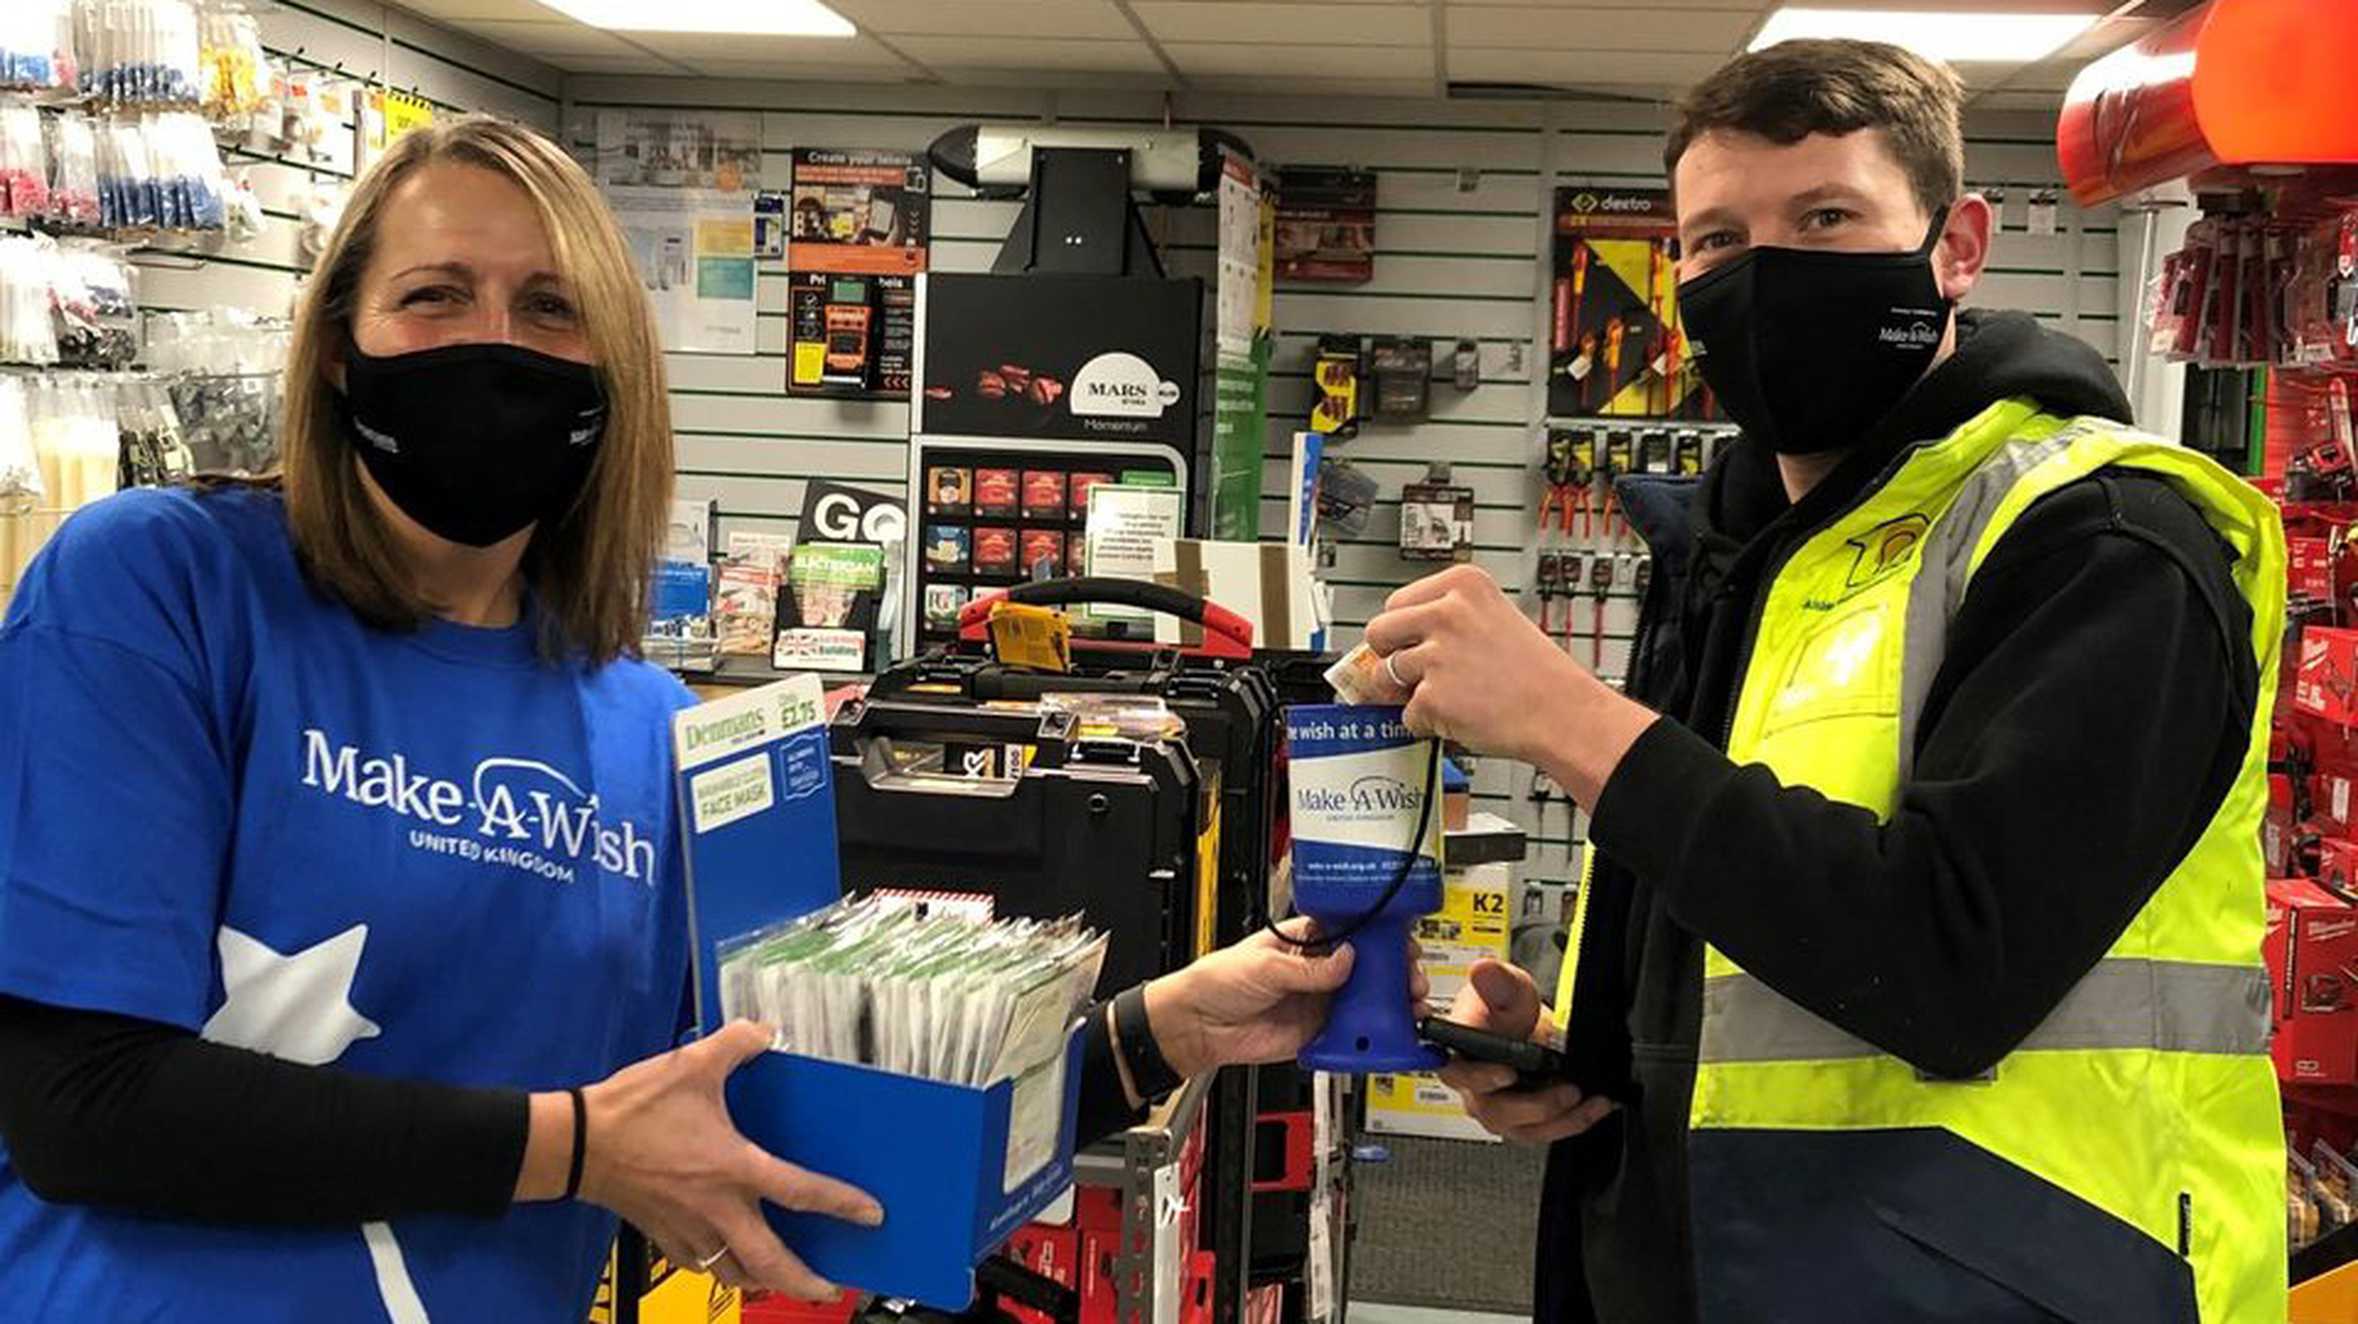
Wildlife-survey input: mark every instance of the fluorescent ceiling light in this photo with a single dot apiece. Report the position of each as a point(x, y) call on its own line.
point(768, 18)
point(1960, 38)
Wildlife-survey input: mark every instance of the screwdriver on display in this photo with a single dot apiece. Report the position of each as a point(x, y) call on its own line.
point(1568, 577)
point(1600, 582)
point(1639, 576)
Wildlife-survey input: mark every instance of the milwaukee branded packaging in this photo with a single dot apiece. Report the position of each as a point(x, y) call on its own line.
point(2311, 561)
point(2312, 953)
point(2327, 686)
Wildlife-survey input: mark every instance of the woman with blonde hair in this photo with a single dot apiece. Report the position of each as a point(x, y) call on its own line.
point(337, 849)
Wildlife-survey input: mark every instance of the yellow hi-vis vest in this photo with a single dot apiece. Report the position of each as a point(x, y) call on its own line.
point(2147, 1093)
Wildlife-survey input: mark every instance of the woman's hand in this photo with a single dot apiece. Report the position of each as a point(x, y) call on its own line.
point(663, 1154)
point(1258, 1001)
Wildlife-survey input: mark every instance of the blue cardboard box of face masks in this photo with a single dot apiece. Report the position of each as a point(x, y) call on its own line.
point(956, 1168)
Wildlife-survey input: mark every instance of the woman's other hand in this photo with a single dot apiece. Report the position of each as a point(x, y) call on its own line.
point(1258, 1001)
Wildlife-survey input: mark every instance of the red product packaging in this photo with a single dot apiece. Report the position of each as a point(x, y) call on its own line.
point(2276, 829)
point(994, 548)
point(2276, 947)
point(2337, 866)
point(1043, 494)
point(2317, 1039)
point(2327, 683)
point(1081, 483)
point(2312, 564)
point(996, 492)
point(1043, 546)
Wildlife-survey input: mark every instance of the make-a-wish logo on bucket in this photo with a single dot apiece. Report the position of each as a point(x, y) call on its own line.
point(1373, 798)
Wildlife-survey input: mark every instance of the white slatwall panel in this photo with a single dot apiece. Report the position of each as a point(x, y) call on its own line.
point(454, 71)
point(1461, 238)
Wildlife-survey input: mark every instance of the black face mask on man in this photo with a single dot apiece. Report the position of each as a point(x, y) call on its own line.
point(1806, 349)
point(476, 442)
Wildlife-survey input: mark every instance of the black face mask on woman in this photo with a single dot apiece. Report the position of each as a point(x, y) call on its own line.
point(1807, 349)
point(478, 441)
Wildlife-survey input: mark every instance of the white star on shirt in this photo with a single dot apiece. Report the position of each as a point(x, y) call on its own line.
point(296, 1007)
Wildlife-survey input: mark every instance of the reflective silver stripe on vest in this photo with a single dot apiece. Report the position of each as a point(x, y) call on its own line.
point(2124, 1003)
point(1939, 584)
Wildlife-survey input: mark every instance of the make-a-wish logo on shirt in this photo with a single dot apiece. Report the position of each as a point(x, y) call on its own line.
point(512, 812)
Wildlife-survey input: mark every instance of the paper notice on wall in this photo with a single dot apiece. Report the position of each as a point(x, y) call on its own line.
point(682, 185)
point(1126, 525)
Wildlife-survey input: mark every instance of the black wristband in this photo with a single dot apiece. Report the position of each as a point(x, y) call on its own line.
point(580, 1144)
point(1149, 1072)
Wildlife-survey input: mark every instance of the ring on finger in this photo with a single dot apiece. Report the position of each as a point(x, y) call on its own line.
point(704, 1265)
point(1394, 673)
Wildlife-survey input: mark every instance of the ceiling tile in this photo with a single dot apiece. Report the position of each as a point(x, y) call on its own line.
point(1078, 80)
point(1278, 66)
point(998, 18)
point(1357, 89)
point(1017, 53)
point(616, 64)
point(1347, 25)
point(461, 11)
point(696, 46)
point(830, 72)
point(1510, 27)
point(550, 39)
point(1582, 68)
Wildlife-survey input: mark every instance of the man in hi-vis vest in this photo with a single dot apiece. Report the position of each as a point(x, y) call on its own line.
point(1916, 971)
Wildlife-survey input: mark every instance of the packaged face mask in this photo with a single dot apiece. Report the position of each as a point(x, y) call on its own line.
point(943, 996)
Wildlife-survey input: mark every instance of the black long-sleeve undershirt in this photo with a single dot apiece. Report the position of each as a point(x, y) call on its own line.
point(2091, 712)
point(130, 1114)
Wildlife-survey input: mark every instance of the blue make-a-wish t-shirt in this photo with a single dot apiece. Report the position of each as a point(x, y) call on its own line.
point(227, 805)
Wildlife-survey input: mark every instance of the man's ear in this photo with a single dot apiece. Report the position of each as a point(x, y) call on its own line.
point(1964, 247)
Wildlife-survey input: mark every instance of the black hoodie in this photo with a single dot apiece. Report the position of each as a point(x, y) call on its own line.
point(2019, 852)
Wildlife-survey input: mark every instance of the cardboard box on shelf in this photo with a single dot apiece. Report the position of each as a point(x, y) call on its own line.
point(2327, 684)
point(1270, 584)
point(2314, 968)
point(1471, 924)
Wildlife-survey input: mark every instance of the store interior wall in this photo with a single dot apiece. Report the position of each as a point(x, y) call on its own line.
point(1462, 242)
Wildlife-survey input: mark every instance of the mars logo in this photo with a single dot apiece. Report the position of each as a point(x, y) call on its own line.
point(1122, 385)
point(1884, 549)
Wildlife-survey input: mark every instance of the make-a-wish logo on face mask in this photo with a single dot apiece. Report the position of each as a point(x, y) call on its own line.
point(513, 813)
point(1912, 335)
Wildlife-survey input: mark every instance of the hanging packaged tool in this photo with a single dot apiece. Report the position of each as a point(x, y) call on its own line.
point(1436, 518)
point(1402, 367)
point(1600, 585)
point(1619, 458)
point(1569, 467)
point(1653, 451)
point(1686, 448)
point(1466, 365)
point(1346, 497)
point(1335, 376)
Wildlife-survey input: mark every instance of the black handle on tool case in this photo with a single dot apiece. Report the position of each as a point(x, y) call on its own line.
point(868, 720)
point(1142, 594)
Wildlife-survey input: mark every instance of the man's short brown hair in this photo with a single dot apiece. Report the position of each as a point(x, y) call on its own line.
point(1837, 86)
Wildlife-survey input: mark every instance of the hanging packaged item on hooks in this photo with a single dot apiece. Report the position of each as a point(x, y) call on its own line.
point(234, 70)
point(24, 163)
point(37, 48)
point(139, 52)
point(72, 142)
point(221, 369)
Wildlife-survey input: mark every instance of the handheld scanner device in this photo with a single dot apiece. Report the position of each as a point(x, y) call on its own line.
point(1366, 863)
